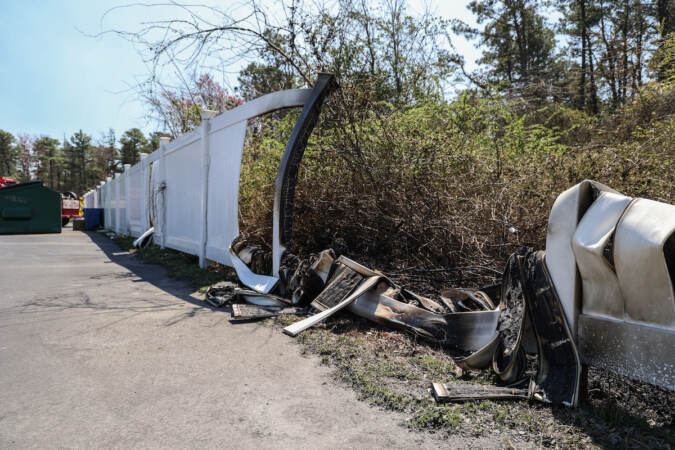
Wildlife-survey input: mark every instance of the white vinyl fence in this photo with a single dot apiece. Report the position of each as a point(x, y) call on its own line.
point(188, 189)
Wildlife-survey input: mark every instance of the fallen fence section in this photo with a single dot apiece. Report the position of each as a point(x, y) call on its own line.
point(465, 321)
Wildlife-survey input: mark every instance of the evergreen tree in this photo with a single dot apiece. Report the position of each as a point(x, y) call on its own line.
point(24, 152)
point(48, 158)
point(111, 154)
point(77, 153)
point(518, 42)
point(133, 141)
point(153, 142)
point(7, 155)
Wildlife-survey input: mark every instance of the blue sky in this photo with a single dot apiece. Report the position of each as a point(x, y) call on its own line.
point(55, 79)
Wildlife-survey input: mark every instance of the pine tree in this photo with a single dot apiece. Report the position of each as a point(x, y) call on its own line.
point(7, 155)
point(111, 153)
point(133, 141)
point(518, 42)
point(24, 151)
point(48, 158)
point(77, 153)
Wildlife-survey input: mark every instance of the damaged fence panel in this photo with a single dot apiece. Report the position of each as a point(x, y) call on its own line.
point(591, 244)
point(567, 211)
point(638, 337)
point(559, 368)
point(467, 331)
point(242, 311)
point(299, 327)
point(201, 217)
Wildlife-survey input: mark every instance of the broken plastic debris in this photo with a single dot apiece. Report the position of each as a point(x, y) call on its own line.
point(144, 239)
point(242, 311)
point(456, 392)
point(523, 328)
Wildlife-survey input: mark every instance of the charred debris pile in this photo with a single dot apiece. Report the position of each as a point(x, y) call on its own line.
point(602, 294)
point(495, 326)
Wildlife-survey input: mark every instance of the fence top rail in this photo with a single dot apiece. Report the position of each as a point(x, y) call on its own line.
point(183, 140)
point(291, 98)
point(262, 105)
point(135, 168)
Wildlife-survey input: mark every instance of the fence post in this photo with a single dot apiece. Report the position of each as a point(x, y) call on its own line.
point(100, 203)
point(207, 115)
point(117, 203)
point(127, 210)
point(163, 143)
point(107, 204)
point(145, 193)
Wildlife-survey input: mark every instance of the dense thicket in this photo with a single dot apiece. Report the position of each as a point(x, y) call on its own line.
point(408, 177)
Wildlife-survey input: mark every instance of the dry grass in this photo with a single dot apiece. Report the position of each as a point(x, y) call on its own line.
point(392, 370)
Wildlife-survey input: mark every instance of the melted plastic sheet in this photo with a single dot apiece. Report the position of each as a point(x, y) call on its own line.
point(611, 259)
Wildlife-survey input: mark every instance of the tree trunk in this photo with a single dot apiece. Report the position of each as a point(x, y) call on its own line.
point(582, 77)
point(519, 28)
point(624, 56)
point(611, 62)
point(665, 14)
point(593, 88)
point(640, 30)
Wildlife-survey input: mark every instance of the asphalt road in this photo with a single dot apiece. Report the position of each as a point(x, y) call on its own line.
point(100, 350)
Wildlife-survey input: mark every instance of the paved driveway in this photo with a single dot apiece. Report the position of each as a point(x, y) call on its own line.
point(100, 350)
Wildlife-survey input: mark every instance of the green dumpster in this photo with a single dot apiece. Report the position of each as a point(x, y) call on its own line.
point(29, 208)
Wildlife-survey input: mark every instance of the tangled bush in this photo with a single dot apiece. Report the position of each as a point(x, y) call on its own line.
point(455, 185)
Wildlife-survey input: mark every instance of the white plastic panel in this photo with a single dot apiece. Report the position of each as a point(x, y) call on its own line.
point(90, 199)
point(135, 199)
point(183, 189)
point(110, 212)
point(106, 204)
point(601, 295)
point(225, 148)
point(114, 203)
point(122, 204)
point(567, 211)
point(155, 202)
point(261, 105)
point(640, 263)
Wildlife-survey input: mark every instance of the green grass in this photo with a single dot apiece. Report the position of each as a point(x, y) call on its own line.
point(434, 416)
